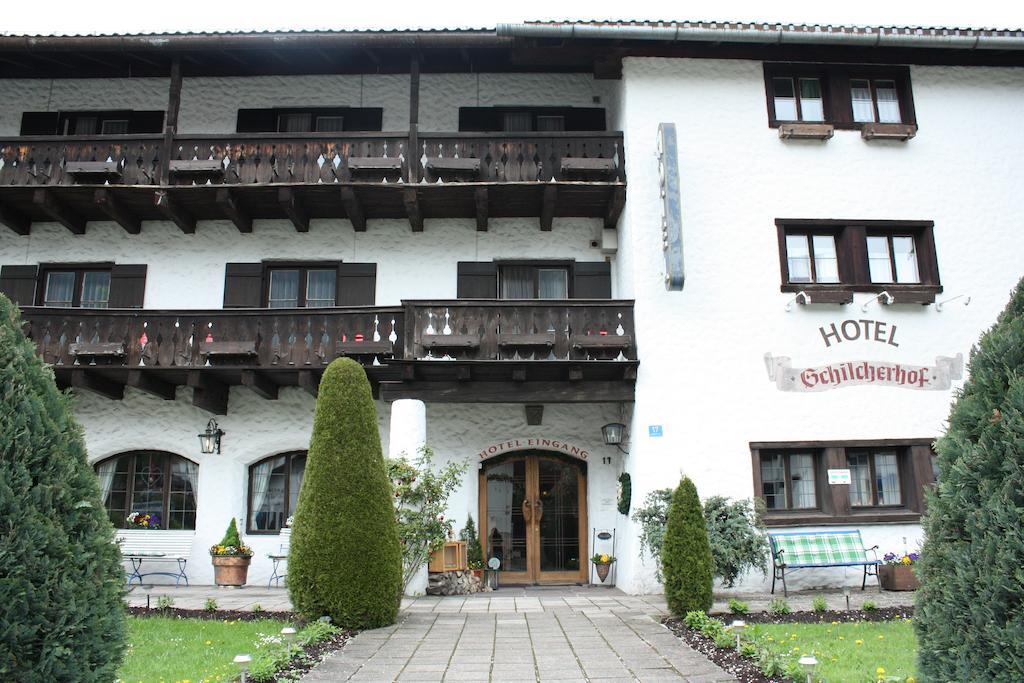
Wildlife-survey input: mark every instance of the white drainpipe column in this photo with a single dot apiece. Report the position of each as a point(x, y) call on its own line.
point(408, 433)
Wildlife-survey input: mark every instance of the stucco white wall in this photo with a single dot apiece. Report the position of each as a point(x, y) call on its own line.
point(256, 428)
point(702, 373)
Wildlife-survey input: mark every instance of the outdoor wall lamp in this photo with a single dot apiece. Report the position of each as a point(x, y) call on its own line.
point(209, 441)
point(613, 433)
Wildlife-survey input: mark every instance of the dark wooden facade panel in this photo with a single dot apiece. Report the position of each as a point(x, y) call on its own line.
point(243, 285)
point(18, 283)
point(127, 286)
point(477, 280)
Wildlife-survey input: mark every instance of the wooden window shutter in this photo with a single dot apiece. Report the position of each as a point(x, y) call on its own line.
point(477, 280)
point(592, 280)
point(127, 286)
point(243, 285)
point(18, 283)
point(39, 123)
point(357, 284)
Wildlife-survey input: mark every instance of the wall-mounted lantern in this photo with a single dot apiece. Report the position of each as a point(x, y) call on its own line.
point(209, 441)
point(613, 434)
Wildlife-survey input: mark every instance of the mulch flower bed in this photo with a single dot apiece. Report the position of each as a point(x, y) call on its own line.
point(747, 670)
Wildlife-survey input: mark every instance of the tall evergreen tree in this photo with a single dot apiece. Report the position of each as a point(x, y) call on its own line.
point(61, 581)
point(970, 607)
point(686, 563)
point(345, 560)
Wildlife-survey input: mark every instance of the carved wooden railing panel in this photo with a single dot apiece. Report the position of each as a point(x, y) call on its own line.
point(134, 159)
point(302, 158)
point(506, 157)
point(520, 330)
point(294, 338)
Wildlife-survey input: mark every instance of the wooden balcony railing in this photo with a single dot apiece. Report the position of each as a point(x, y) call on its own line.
point(313, 158)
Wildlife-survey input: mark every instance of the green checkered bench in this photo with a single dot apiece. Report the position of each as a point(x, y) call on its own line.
point(801, 550)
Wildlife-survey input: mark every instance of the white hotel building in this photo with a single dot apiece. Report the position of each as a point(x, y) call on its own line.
point(195, 225)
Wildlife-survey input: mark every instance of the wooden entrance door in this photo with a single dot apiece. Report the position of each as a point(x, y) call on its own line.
point(533, 512)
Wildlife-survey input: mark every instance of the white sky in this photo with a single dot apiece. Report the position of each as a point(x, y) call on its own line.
point(120, 16)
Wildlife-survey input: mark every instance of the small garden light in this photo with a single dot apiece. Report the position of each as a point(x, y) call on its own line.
point(209, 441)
point(738, 627)
point(808, 664)
point(243, 662)
point(289, 635)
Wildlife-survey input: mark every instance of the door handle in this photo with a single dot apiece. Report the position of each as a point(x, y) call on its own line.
point(527, 511)
point(540, 510)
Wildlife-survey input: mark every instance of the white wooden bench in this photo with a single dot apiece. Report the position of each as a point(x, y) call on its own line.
point(139, 546)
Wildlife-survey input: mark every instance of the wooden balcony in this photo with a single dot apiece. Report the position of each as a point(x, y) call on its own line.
point(358, 176)
point(446, 351)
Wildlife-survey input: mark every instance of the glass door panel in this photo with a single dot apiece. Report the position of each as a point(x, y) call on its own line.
point(559, 513)
point(507, 527)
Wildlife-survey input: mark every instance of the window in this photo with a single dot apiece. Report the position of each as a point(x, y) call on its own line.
point(873, 256)
point(121, 122)
point(531, 119)
point(533, 282)
point(302, 287)
point(310, 119)
point(76, 287)
point(274, 491)
point(847, 96)
point(788, 481)
point(887, 480)
point(150, 482)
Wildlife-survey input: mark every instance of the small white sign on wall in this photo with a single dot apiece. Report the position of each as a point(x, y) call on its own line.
point(839, 476)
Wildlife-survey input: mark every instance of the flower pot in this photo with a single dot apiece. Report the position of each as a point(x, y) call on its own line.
point(898, 577)
point(230, 570)
point(478, 573)
point(602, 570)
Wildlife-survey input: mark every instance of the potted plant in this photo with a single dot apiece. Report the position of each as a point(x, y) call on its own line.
point(896, 573)
point(143, 520)
point(602, 562)
point(474, 554)
point(230, 559)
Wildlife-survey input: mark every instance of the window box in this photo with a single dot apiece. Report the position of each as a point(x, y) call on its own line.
point(888, 131)
point(806, 131)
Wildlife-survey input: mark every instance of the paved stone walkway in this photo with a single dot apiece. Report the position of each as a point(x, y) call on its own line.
point(581, 635)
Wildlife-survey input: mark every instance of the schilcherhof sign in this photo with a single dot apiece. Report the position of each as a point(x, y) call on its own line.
point(937, 377)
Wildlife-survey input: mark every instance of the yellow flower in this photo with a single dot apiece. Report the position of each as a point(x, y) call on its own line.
point(842, 637)
point(859, 642)
point(604, 558)
point(881, 637)
point(906, 559)
point(209, 642)
point(911, 679)
point(880, 671)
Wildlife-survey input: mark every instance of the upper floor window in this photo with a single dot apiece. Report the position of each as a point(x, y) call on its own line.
point(310, 119)
point(299, 284)
point(274, 490)
point(533, 282)
point(847, 96)
point(76, 287)
point(117, 122)
point(859, 256)
point(531, 119)
point(162, 485)
point(302, 287)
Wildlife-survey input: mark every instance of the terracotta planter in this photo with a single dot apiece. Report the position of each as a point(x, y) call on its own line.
point(478, 573)
point(230, 570)
point(602, 570)
point(898, 577)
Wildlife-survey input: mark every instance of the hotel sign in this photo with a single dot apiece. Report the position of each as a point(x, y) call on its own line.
point(671, 211)
point(936, 377)
point(539, 443)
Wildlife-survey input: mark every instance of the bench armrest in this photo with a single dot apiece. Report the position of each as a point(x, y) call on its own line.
point(874, 550)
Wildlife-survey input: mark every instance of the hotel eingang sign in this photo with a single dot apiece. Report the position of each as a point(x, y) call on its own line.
point(534, 443)
point(836, 375)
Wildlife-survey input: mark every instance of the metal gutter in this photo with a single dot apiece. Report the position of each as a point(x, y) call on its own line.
point(774, 34)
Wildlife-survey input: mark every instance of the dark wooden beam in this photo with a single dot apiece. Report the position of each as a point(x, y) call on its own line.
point(171, 118)
point(412, 208)
point(151, 384)
point(117, 211)
point(408, 372)
point(372, 56)
point(15, 220)
point(228, 204)
point(413, 153)
point(519, 374)
point(139, 58)
point(509, 392)
point(260, 383)
point(293, 208)
point(46, 202)
point(353, 208)
point(463, 373)
point(575, 373)
point(173, 212)
point(310, 381)
point(547, 207)
point(629, 373)
point(88, 380)
point(615, 206)
point(208, 393)
point(482, 208)
point(96, 60)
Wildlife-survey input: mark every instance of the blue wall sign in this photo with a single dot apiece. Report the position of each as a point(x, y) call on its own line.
point(654, 431)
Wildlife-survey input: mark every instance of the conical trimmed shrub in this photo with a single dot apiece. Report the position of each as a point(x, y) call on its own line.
point(686, 563)
point(345, 560)
point(970, 607)
point(61, 580)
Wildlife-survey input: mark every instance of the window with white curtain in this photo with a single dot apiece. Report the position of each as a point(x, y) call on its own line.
point(274, 485)
point(875, 478)
point(330, 124)
point(114, 127)
point(295, 123)
point(533, 282)
point(798, 99)
point(893, 259)
point(60, 289)
point(81, 287)
point(812, 258)
point(518, 122)
point(875, 101)
point(163, 485)
point(788, 481)
point(301, 287)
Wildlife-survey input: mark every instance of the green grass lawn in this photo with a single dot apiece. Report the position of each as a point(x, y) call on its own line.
point(851, 652)
point(167, 650)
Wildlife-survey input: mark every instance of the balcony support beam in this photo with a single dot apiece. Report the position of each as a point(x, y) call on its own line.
point(353, 208)
point(174, 213)
point(260, 383)
point(309, 380)
point(15, 220)
point(208, 393)
point(151, 384)
point(89, 380)
point(615, 206)
point(116, 211)
point(509, 392)
point(235, 213)
point(547, 208)
point(46, 202)
point(412, 208)
point(482, 208)
point(293, 208)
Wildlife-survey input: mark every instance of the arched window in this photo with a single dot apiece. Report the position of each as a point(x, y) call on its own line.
point(153, 483)
point(274, 490)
